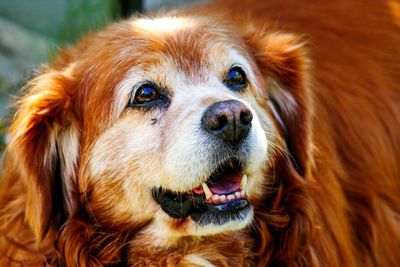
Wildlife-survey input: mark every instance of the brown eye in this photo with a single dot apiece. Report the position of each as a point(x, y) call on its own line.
point(235, 79)
point(145, 94)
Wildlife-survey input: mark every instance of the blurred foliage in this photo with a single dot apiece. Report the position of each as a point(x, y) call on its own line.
point(84, 16)
point(66, 20)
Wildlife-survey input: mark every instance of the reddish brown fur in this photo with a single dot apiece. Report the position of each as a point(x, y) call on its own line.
point(336, 202)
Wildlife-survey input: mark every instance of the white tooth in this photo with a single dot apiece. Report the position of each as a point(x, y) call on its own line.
point(243, 194)
point(215, 199)
point(237, 195)
point(243, 183)
point(206, 190)
point(230, 197)
point(222, 198)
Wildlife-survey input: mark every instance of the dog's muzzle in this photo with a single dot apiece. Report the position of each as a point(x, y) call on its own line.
point(222, 196)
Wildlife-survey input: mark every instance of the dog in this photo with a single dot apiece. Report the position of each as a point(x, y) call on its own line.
point(266, 135)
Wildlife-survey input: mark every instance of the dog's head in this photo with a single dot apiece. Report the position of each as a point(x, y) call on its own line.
point(173, 124)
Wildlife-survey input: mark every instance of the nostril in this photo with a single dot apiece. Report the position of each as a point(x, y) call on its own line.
point(222, 121)
point(214, 120)
point(246, 116)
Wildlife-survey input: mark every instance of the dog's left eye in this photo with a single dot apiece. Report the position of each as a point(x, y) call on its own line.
point(235, 79)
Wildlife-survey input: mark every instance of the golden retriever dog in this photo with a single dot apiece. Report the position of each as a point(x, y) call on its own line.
point(266, 135)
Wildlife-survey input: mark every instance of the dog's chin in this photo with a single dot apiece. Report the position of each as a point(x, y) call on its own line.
point(220, 203)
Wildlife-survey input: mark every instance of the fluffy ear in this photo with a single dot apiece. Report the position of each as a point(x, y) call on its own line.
point(38, 144)
point(282, 59)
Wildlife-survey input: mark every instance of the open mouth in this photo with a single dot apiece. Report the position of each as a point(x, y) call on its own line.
point(221, 198)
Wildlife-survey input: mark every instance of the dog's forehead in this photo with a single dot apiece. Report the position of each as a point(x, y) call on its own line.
point(191, 44)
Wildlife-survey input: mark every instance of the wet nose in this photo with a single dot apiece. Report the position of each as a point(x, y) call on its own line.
point(228, 120)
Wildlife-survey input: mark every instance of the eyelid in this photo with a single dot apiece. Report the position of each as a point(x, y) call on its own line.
point(161, 90)
point(142, 84)
point(236, 65)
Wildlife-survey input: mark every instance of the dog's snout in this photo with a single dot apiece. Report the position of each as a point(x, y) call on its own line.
point(228, 120)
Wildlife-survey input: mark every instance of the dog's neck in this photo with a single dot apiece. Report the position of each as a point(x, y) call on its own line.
point(234, 249)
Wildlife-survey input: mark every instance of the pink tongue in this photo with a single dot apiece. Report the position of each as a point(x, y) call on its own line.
point(227, 183)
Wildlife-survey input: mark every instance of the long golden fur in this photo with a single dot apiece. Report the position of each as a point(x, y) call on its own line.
point(323, 156)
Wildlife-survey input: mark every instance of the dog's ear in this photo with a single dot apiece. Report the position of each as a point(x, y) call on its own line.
point(282, 60)
point(283, 63)
point(41, 136)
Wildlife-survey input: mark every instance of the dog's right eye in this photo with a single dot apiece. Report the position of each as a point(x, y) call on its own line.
point(144, 94)
point(147, 95)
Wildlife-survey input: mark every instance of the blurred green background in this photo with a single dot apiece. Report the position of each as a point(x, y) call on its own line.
point(31, 31)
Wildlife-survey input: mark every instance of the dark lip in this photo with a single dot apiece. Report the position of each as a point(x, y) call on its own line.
point(221, 214)
point(178, 205)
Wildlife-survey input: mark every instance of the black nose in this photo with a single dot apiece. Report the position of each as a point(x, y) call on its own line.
point(229, 120)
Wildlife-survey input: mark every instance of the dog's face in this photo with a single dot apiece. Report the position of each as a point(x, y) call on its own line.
point(163, 123)
point(188, 137)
